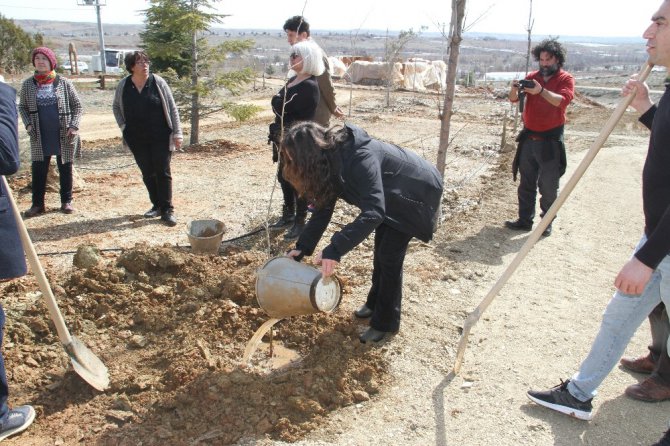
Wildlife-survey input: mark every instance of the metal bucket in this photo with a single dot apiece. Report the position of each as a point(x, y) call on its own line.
point(285, 288)
point(205, 235)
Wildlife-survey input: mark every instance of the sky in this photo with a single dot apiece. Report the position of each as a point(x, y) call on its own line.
point(601, 18)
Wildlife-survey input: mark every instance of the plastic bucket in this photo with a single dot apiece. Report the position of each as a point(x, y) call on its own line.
point(205, 235)
point(285, 288)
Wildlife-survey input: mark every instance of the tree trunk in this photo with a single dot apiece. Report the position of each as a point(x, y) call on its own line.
point(457, 16)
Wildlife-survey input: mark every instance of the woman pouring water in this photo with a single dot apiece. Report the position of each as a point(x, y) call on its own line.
point(398, 194)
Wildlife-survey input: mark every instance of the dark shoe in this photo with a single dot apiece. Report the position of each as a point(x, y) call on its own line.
point(169, 219)
point(287, 218)
point(650, 390)
point(547, 231)
point(152, 213)
point(642, 364)
point(372, 335)
point(295, 230)
point(17, 421)
point(559, 399)
point(34, 211)
point(363, 312)
point(518, 225)
point(664, 441)
point(66, 208)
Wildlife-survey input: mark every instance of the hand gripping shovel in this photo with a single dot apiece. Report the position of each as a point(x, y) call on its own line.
point(84, 361)
point(534, 236)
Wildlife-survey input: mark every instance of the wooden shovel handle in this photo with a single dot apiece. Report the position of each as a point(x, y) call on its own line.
point(36, 266)
point(534, 236)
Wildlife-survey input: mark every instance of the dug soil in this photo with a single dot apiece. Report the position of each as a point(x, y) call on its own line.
point(172, 325)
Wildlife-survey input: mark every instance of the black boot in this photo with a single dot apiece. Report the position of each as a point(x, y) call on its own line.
point(287, 217)
point(296, 229)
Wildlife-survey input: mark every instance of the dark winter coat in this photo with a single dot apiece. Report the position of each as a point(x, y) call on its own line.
point(388, 184)
point(12, 258)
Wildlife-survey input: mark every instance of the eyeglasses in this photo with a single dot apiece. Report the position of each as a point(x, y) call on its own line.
point(294, 55)
point(142, 62)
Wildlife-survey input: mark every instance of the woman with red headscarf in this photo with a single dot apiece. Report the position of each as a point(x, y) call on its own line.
point(51, 112)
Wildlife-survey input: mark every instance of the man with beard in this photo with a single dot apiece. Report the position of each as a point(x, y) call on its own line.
point(540, 156)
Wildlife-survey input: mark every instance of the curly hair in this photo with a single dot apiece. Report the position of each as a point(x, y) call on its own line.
point(310, 161)
point(553, 47)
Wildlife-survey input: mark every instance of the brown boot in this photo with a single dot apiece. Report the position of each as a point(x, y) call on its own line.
point(651, 390)
point(34, 211)
point(642, 364)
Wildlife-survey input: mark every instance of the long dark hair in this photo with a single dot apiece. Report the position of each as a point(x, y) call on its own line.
point(311, 163)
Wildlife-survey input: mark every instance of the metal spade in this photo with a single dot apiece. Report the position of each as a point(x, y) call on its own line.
point(84, 361)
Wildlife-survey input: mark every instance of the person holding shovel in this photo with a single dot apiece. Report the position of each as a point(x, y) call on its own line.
point(397, 192)
point(540, 157)
point(12, 257)
point(644, 280)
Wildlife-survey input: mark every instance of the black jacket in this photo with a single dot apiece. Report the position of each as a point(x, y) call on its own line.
point(388, 184)
point(12, 258)
point(656, 184)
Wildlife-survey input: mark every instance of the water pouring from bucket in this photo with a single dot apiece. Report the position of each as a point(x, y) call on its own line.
point(287, 288)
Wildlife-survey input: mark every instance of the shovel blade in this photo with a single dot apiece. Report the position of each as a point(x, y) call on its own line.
point(87, 365)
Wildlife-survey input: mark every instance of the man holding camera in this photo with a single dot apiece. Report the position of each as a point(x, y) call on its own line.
point(540, 156)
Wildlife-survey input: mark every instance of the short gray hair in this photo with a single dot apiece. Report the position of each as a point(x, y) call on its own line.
point(312, 57)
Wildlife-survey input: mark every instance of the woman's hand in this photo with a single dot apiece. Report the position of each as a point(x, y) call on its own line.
point(72, 132)
point(294, 253)
point(328, 266)
point(177, 143)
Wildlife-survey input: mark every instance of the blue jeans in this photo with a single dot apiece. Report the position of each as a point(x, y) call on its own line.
point(622, 317)
point(4, 388)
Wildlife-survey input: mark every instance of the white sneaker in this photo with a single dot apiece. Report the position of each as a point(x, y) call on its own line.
point(17, 421)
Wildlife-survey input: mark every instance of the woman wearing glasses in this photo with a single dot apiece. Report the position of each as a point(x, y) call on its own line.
point(147, 115)
point(295, 102)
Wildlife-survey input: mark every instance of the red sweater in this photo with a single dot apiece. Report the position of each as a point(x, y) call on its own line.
point(538, 114)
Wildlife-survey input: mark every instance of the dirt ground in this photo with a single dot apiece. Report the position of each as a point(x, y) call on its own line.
point(172, 325)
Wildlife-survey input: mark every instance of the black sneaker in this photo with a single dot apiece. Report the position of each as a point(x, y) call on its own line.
point(559, 399)
point(664, 441)
point(17, 421)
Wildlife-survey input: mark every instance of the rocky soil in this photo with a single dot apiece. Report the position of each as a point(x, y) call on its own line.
point(172, 325)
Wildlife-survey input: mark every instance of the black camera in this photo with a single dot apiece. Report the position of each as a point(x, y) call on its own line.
point(526, 83)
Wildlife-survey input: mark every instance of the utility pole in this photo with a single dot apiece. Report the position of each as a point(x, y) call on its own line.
point(101, 35)
point(101, 39)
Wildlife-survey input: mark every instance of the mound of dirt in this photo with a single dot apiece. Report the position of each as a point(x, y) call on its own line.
point(172, 328)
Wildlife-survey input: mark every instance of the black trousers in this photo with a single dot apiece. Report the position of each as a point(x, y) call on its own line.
point(660, 329)
point(153, 157)
point(539, 169)
point(385, 295)
point(291, 199)
point(40, 170)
